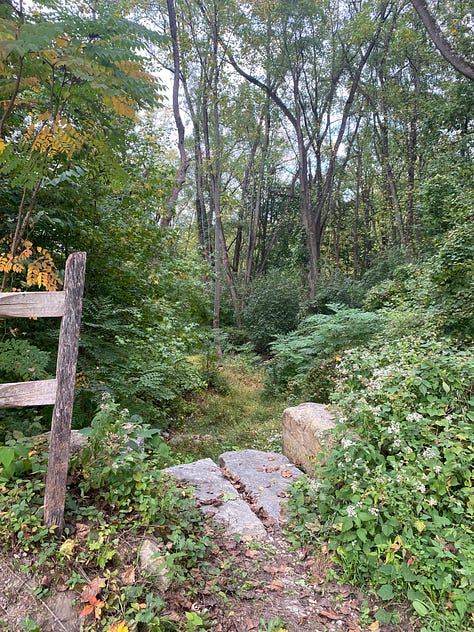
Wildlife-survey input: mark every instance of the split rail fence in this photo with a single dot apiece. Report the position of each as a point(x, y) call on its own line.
point(59, 391)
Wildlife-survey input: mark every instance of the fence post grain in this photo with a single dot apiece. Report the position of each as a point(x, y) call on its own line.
point(58, 461)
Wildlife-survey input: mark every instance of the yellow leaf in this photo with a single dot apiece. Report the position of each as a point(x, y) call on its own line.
point(3, 144)
point(119, 626)
point(374, 626)
point(67, 547)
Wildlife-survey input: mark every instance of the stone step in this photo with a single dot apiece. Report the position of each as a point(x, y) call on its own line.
point(264, 476)
point(217, 497)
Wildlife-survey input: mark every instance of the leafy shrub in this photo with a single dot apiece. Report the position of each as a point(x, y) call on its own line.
point(272, 308)
point(452, 274)
point(383, 267)
point(144, 366)
point(443, 202)
point(337, 288)
point(300, 354)
point(393, 499)
point(116, 461)
point(21, 361)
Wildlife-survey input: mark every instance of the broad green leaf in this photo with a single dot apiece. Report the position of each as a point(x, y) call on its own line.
point(385, 592)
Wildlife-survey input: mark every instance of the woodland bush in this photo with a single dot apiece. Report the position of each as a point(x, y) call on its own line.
point(393, 499)
point(272, 308)
point(303, 359)
point(337, 288)
point(452, 275)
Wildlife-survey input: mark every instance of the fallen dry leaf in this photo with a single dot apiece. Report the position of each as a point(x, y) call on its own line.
point(119, 626)
point(67, 547)
point(276, 584)
point(95, 606)
point(82, 531)
point(92, 589)
point(275, 570)
point(128, 576)
point(251, 624)
point(374, 626)
point(287, 474)
point(252, 553)
point(329, 614)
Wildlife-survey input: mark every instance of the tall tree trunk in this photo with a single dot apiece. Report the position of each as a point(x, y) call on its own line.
point(202, 219)
point(180, 177)
point(413, 148)
point(355, 237)
point(255, 219)
point(391, 183)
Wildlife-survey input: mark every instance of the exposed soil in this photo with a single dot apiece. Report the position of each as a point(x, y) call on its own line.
point(250, 587)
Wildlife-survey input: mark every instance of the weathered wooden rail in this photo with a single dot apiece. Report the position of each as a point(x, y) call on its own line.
point(66, 305)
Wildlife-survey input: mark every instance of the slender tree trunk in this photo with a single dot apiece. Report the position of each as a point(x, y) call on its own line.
point(355, 237)
point(180, 177)
point(413, 150)
point(391, 183)
point(255, 220)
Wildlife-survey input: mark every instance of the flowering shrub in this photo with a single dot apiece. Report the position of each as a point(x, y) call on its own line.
point(394, 498)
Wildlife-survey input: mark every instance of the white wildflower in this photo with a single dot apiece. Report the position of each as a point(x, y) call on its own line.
point(429, 453)
point(414, 417)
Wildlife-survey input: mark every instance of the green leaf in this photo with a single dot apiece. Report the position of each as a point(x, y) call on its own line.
point(6, 456)
point(385, 592)
point(420, 607)
point(383, 616)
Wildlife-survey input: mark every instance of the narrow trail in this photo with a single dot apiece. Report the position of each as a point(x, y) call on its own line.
point(256, 580)
point(246, 492)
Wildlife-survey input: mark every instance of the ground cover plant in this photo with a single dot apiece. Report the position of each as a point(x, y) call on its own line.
point(117, 497)
point(393, 498)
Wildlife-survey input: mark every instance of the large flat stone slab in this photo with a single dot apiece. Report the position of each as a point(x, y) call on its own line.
point(306, 431)
point(266, 476)
point(216, 496)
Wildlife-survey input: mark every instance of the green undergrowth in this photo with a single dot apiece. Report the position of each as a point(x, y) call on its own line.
point(235, 415)
point(393, 499)
point(117, 497)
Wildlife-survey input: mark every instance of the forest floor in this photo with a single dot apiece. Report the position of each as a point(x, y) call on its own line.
point(245, 586)
point(234, 416)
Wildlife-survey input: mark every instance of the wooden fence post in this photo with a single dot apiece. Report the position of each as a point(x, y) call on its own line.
point(58, 461)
